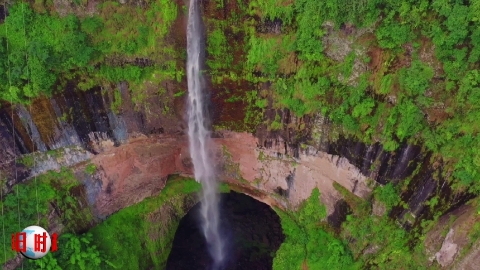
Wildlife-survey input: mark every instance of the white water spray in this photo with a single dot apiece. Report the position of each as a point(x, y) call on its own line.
point(199, 138)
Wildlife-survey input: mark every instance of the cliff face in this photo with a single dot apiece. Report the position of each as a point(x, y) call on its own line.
point(136, 146)
point(131, 166)
point(82, 128)
point(73, 118)
point(272, 163)
point(129, 172)
point(275, 171)
point(134, 150)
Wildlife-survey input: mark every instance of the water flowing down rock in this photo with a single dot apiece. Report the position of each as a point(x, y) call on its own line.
point(199, 137)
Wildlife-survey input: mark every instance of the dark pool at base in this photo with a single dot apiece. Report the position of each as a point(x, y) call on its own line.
point(252, 229)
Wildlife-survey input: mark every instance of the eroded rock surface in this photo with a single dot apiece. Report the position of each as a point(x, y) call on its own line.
point(136, 170)
point(446, 254)
point(131, 172)
point(446, 248)
point(471, 261)
point(272, 172)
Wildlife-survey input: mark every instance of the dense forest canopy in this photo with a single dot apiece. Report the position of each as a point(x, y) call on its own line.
point(409, 97)
point(44, 49)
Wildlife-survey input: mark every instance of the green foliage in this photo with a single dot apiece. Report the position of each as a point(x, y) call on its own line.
point(388, 195)
point(392, 35)
point(132, 31)
point(91, 25)
point(148, 240)
point(264, 55)
point(38, 48)
point(56, 48)
point(126, 73)
point(312, 211)
point(254, 110)
point(309, 31)
point(410, 121)
point(179, 94)
point(224, 46)
point(390, 244)
point(276, 124)
point(217, 48)
point(29, 204)
point(117, 101)
point(386, 84)
point(272, 9)
point(416, 79)
point(307, 243)
point(27, 160)
point(20, 210)
point(90, 169)
point(75, 252)
point(379, 242)
point(364, 108)
point(313, 85)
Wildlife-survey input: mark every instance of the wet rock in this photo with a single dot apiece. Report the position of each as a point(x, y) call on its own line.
point(270, 26)
point(64, 7)
point(371, 250)
point(14, 263)
point(40, 162)
point(340, 214)
point(340, 43)
point(66, 157)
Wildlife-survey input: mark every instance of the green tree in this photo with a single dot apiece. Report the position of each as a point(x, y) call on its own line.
point(38, 48)
point(415, 79)
point(306, 242)
point(77, 252)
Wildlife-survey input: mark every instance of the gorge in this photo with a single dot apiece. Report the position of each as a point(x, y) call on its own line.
point(370, 116)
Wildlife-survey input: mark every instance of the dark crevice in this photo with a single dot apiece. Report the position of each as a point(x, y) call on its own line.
point(252, 230)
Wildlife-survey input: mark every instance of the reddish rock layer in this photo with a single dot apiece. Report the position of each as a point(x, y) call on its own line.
point(138, 169)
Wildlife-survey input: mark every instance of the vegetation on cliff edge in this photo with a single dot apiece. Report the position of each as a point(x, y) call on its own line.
point(33, 203)
point(137, 237)
point(307, 243)
point(43, 50)
point(408, 94)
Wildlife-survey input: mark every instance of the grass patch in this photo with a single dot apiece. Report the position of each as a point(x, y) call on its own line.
point(140, 236)
point(90, 169)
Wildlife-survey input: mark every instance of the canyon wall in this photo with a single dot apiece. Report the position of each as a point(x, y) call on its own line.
point(131, 166)
point(80, 127)
point(134, 149)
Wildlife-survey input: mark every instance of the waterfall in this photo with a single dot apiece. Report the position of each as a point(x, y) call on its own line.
point(31, 128)
point(199, 138)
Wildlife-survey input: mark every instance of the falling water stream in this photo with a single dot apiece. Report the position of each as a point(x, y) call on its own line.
point(199, 138)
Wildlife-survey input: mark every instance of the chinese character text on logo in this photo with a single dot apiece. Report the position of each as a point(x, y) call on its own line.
point(34, 242)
